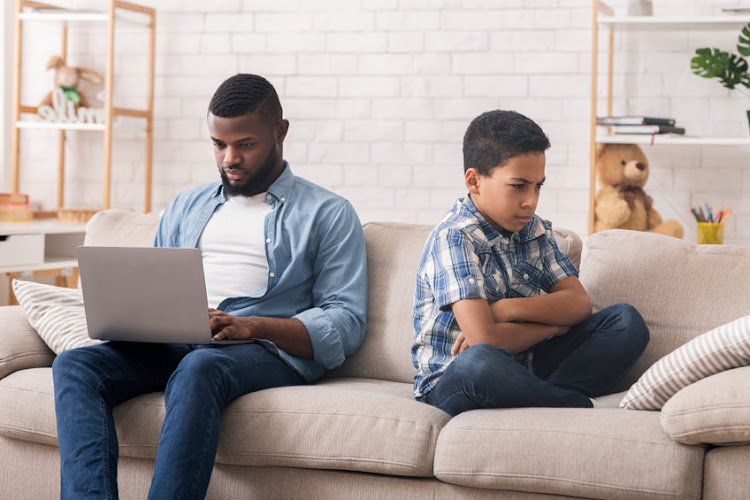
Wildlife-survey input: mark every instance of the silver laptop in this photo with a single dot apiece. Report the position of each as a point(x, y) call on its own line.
point(141, 294)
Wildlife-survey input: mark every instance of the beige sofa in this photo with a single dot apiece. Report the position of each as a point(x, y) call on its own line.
point(359, 433)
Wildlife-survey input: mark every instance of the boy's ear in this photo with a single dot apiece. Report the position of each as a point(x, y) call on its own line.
point(471, 179)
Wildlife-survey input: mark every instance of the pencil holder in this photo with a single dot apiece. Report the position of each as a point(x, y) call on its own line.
point(711, 233)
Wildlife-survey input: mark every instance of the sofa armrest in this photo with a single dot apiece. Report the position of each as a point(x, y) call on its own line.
point(570, 244)
point(714, 410)
point(20, 346)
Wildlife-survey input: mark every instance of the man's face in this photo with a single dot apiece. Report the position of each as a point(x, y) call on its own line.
point(248, 152)
point(508, 197)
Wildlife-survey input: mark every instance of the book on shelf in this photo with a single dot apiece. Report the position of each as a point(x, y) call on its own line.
point(14, 207)
point(647, 129)
point(14, 198)
point(633, 120)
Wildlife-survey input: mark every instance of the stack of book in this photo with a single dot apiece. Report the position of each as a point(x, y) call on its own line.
point(14, 207)
point(640, 125)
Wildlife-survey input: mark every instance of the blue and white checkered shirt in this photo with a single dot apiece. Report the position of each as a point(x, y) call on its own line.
point(466, 258)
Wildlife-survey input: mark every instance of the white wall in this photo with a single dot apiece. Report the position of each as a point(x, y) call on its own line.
point(379, 94)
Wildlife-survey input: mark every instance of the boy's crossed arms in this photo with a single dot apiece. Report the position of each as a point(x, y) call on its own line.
point(517, 323)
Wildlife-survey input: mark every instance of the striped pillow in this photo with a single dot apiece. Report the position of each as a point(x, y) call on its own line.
point(723, 348)
point(55, 313)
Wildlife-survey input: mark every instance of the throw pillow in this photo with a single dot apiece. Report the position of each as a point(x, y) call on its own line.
point(725, 347)
point(56, 314)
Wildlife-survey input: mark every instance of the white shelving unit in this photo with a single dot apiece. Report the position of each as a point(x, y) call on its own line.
point(602, 17)
point(40, 248)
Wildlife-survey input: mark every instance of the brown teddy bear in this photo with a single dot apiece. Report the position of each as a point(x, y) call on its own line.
point(622, 171)
point(67, 79)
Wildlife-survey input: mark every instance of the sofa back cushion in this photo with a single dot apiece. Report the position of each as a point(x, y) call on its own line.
point(393, 253)
point(123, 228)
point(681, 289)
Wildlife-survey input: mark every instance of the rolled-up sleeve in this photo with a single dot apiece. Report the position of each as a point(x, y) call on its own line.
point(336, 323)
point(457, 273)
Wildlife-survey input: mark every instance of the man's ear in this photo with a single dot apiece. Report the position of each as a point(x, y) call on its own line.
point(472, 179)
point(281, 129)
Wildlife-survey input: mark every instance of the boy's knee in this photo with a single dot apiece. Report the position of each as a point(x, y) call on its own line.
point(633, 323)
point(483, 360)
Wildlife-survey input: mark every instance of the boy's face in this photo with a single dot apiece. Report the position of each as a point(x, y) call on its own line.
point(507, 198)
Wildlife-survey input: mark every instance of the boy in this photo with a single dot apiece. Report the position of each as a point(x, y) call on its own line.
point(500, 318)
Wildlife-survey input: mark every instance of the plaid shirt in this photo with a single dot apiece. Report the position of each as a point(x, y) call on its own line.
point(466, 258)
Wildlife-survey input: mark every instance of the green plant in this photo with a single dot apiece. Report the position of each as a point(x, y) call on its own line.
point(730, 69)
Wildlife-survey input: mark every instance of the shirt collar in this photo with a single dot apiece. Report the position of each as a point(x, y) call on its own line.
point(530, 231)
point(280, 187)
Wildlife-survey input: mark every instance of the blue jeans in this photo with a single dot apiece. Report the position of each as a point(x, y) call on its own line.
point(199, 382)
point(563, 371)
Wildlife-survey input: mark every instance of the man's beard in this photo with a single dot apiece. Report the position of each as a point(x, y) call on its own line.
point(252, 185)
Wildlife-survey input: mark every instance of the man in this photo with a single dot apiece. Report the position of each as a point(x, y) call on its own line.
point(285, 264)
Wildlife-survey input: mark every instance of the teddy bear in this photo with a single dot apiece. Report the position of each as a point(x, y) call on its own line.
point(621, 203)
point(67, 79)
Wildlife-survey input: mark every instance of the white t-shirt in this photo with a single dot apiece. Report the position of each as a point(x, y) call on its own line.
point(233, 246)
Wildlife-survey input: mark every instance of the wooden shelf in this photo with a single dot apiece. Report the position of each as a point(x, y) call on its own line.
point(116, 11)
point(671, 139)
point(676, 22)
point(55, 15)
point(61, 125)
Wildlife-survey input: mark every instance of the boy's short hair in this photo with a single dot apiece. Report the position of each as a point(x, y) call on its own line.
point(495, 137)
point(244, 93)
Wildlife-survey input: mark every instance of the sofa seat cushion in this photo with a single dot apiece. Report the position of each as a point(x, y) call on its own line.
point(590, 453)
point(715, 410)
point(347, 424)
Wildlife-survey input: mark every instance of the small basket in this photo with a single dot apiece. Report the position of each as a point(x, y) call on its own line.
point(75, 215)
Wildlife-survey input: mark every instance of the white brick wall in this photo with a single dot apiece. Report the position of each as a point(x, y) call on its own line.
point(379, 93)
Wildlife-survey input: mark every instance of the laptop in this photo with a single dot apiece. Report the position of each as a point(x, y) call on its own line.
point(145, 294)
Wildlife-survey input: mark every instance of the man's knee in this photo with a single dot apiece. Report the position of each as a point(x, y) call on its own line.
point(202, 363)
point(79, 366)
point(72, 360)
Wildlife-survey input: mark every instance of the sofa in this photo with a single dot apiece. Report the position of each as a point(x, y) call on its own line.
point(359, 433)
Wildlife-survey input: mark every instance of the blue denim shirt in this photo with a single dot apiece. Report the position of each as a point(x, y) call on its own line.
point(316, 261)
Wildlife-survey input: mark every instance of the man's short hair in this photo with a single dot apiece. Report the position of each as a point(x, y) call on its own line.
point(495, 137)
point(245, 93)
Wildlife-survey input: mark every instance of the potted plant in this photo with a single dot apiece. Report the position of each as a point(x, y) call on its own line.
point(730, 69)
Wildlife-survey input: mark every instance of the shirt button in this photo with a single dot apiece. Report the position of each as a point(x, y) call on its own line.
point(268, 240)
point(471, 280)
point(525, 276)
point(268, 196)
point(283, 199)
point(272, 274)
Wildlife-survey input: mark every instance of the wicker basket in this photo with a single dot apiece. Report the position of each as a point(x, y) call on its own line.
point(75, 215)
